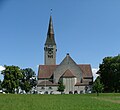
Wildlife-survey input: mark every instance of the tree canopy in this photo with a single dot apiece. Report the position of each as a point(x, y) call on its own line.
point(0, 84)
point(61, 87)
point(110, 73)
point(12, 78)
point(16, 78)
point(97, 86)
point(29, 79)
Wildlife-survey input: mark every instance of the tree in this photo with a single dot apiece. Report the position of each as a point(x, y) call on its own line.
point(12, 78)
point(29, 79)
point(61, 87)
point(110, 73)
point(97, 86)
point(0, 85)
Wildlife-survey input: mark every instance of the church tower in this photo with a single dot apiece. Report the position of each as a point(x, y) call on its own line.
point(50, 46)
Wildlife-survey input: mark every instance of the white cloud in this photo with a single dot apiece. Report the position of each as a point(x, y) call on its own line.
point(94, 71)
point(2, 68)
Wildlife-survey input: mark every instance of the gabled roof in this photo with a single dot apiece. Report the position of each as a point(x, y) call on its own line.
point(68, 67)
point(46, 71)
point(86, 69)
point(68, 74)
point(67, 63)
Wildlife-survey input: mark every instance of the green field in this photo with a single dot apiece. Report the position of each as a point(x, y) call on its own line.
point(60, 102)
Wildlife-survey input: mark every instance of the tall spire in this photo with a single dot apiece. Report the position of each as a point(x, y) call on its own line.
point(50, 28)
point(50, 46)
point(50, 34)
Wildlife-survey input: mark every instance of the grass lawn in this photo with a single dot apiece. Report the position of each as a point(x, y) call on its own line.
point(60, 102)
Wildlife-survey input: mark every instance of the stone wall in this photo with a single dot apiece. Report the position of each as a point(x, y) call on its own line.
point(52, 59)
point(48, 89)
point(69, 84)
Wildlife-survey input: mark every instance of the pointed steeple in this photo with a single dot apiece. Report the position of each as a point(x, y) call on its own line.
point(50, 28)
point(50, 34)
point(50, 46)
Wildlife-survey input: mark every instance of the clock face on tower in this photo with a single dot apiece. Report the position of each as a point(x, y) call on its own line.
point(50, 52)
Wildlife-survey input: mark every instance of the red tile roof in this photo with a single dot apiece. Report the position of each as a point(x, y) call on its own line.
point(47, 83)
point(68, 73)
point(86, 69)
point(46, 71)
point(81, 84)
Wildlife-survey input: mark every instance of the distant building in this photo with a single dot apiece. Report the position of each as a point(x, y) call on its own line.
point(77, 78)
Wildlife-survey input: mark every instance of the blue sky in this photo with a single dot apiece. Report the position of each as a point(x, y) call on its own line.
point(87, 29)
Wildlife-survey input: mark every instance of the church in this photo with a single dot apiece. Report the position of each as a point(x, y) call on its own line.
point(77, 78)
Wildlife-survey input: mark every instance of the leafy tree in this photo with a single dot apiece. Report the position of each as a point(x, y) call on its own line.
point(61, 87)
point(97, 86)
point(29, 79)
point(12, 78)
point(0, 85)
point(110, 73)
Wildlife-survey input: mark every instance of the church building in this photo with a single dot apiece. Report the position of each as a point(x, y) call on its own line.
point(77, 78)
